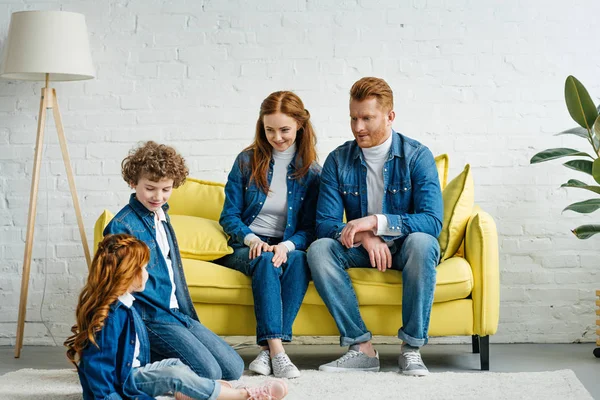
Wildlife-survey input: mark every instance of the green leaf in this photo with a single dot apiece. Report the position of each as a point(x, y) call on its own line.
point(577, 131)
point(552, 154)
point(574, 183)
point(586, 231)
point(597, 127)
point(580, 105)
point(584, 207)
point(580, 165)
point(596, 170)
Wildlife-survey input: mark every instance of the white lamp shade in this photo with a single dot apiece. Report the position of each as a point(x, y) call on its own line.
point(47, 42)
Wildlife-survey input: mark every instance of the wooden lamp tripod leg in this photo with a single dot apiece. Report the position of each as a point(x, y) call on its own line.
point(70, 177)
point(33, 197)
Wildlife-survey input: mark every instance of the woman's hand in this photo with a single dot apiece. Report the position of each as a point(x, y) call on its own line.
point(257, 246)
point(280, 254)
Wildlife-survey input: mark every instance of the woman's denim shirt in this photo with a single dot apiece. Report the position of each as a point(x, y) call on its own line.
point(412, 199)
point(244, 200)
point(105, 371)
point(153, 303)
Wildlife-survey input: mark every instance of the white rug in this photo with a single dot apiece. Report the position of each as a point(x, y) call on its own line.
point(63, 385)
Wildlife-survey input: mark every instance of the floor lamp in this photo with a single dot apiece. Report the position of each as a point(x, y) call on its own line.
point(46, 46)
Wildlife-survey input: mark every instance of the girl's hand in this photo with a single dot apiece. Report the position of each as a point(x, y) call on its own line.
point(257, 246)
point(280, 254)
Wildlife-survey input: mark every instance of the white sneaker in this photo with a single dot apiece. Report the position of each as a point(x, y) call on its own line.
point(283, 367)
point(261, 364)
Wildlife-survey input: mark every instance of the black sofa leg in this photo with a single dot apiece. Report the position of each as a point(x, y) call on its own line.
point(475, 341)
point(484, 356)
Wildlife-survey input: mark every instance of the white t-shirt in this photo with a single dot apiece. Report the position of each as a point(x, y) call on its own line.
point(128, 300)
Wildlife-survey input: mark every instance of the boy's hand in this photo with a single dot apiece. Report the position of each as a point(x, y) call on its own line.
point(280, 255)
point(257, 246)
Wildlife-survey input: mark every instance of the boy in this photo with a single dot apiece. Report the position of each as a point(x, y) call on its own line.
point(153, 170)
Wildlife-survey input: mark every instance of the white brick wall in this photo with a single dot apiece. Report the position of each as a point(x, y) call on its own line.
point(481, 82)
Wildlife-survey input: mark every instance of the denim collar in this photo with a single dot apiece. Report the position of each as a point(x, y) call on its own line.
point(141, 210)
point(395, 151)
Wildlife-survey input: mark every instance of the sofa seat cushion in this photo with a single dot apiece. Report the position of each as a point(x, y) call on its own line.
point(210, 283)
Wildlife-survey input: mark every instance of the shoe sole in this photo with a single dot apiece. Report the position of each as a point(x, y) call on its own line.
point(415, 373)
point(260, 371)
point(326, 368)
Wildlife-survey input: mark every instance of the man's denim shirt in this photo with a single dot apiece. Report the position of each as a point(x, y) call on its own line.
point(105, 371)
point(153, 303)
point(244, 200)
point(412, 199)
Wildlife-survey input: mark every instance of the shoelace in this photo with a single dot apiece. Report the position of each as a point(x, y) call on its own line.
point(350, 354)
point(413, 357)
point(264, 357)
point(281, 363)
point(260, 393)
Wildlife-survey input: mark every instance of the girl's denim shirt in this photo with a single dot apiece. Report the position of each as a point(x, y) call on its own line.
point(105, 371)
point(244, 200)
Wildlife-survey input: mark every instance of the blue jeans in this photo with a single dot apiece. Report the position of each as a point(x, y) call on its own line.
point(278, 292)
point(195, 345)
point(417, 258)
point(171, 375)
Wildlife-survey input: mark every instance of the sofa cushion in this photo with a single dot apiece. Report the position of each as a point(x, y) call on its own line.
point(441, 163)
point(99, 226)
point(458, 199)
point(214, 284)
point(198, 198)
point(200, 238)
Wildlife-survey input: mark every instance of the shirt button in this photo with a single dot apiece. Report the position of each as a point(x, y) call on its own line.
point(253, 216)
point(301, 198)
point(132, 342)
point(289, 192)
point(344, 192)
point(129, 364)
point(290, 208)
point(289, 177)
point(356, 193)
point(289, 224)
point(405, 189)
point(260, 202)
point(385, 169)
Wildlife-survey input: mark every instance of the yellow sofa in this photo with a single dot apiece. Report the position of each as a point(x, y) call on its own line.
point(466, 300)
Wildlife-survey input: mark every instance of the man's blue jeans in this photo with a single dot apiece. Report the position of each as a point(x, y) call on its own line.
point(417, 258)
point(195, 345)
point(171, 375)
point(278, 292)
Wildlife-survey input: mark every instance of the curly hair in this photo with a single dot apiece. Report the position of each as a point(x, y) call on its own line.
point(290, 104)
point(155, 162)
point(117, 264)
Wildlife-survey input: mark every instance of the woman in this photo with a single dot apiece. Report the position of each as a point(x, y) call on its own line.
point(269, 213)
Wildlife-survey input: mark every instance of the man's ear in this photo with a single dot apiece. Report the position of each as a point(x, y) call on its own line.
point(391, 116)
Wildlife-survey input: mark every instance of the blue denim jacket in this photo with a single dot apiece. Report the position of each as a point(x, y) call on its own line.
point(244, 200)
point(412, 199)
point(153, 303)
point(105, 371)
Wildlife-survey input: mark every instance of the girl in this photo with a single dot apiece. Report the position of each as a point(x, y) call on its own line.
point(269, 213)
point(110, 347)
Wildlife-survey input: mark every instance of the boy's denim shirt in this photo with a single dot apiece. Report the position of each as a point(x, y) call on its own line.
point(244, 200)
point(412, 199)
point(153, 303)
point(105, 371)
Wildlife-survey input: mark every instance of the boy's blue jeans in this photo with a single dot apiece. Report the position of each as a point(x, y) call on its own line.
point(171, 375)
point(417, 258)
point(207, 354)
point(278, 292)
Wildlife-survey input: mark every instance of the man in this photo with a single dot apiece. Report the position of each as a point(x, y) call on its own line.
point(388, 186)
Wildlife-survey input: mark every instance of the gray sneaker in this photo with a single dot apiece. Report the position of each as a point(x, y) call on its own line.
point(262, 363)
point(353, 360)
point(411, 363)
point(283, 367)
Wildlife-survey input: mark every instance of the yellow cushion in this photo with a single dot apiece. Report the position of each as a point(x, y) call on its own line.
point(101, 223)
point(459, 198)
point(212, 283)
point(200, 238)
point(198, 198)
point(441, 162)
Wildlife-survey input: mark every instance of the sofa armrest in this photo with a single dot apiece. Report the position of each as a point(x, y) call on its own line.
point(99, 226)
point(481, 251)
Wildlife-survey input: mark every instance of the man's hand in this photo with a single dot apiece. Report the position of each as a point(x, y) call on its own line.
point(379, 252)
point(257, 246)
point(280, 254)
point(355, 226)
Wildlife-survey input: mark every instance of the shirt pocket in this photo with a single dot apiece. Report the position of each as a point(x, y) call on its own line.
point(399, 197)
point(351, 197)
